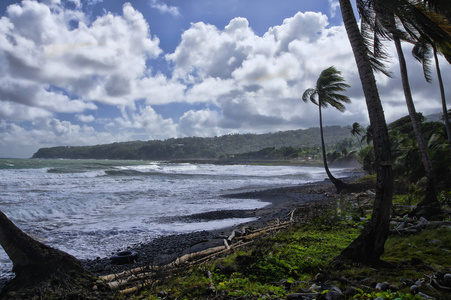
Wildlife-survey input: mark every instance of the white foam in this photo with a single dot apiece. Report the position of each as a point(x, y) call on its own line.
point(90, 213)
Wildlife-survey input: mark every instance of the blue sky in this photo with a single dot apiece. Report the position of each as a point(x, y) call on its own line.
point(84, 72)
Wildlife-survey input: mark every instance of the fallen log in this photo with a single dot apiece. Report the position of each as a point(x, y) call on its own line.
point(421, 226)
point(263, 231)
point(186, 257)
point(136, 288)
point(203, 259)
point(142, 276)
point(114, 285)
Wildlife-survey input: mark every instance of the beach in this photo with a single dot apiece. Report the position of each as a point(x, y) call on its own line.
point(305, 199)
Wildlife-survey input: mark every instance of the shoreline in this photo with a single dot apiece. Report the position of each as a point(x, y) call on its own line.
point(282, 201)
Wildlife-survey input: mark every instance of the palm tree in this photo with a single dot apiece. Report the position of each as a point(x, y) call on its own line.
point(357, 130)
point(369, 246)
point(382, 18)
point(327, 89)
point(34, 262)
point(422, 52)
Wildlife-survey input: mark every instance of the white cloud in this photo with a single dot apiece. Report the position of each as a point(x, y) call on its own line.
point(144, 124)
point(85, 118)
point(256, 82)
point(164, 8)
point(200, 123)
point(246, 82)
point(334, 6)
point(97, 62)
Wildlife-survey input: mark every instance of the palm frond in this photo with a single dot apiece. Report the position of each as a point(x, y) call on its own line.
point(422, 52)
point(309, 95)
point(371, 32)
point(329, 84)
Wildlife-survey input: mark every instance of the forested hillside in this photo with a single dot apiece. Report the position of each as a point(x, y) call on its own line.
point(198, 148)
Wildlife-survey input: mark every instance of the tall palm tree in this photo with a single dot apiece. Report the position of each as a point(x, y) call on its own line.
point(422, 52)
point(369, 245)
point(327, 92)
point(386, 21)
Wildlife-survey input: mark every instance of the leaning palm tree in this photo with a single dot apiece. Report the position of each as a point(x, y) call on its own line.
point(35, 263)
point(327, 92)
point(388, 19)
point(369, 245)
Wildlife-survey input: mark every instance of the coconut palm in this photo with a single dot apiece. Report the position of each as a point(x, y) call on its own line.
point(386, 20)
point(327, 92)
point(34, 262)
point(369, 245)
point(357, 130)
point(422, 52)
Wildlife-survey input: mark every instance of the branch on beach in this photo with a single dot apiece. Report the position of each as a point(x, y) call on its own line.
point(406, 227)
point(130, 281)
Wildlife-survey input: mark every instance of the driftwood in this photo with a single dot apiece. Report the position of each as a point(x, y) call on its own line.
point(131, 281)
point(404, 228)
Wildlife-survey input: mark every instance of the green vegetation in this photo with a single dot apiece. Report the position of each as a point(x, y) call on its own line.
point(300, 258)
point(223, 147)
point(408, 168)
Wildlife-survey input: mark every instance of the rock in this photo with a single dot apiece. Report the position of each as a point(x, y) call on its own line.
point(447, 280)
point(414, 289)
point(343, 280)
point(385, 286)
point(296, 296)
point(334, 294)
point(393, 288)
point(349, 292)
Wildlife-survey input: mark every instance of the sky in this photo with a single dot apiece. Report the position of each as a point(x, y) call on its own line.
point(88, 72)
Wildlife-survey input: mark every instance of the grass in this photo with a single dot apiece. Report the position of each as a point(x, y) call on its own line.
point(290, 261)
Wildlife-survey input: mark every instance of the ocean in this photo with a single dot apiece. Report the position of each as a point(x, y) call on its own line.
point(90, 208)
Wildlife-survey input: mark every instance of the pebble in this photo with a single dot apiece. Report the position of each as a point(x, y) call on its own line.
point(158, 252)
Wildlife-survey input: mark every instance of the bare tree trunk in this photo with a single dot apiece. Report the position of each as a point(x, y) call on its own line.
point(429, 206)
point(369, 246)
point(34, 262)
point(339, 185)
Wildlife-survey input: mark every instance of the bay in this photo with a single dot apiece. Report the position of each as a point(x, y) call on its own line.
point(90, 208)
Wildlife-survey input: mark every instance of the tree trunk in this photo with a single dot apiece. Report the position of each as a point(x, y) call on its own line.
point(34, 262)
point(429, 207)
point(369, 246)
point(442, 94)
point(339, 185)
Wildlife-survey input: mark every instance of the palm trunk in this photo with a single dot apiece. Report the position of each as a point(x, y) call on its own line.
point(442, 94)
point(34, 262)
point(369, 246)
point(429, 205)
point(339, 185)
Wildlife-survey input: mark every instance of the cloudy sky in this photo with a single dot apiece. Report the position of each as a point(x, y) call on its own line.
point(86, 72)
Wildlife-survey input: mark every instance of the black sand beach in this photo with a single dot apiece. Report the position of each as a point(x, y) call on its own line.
point(282, 201)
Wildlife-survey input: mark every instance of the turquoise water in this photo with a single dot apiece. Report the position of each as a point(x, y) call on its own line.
point(91, 208)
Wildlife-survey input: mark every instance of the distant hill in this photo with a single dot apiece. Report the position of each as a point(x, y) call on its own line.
point(196, 147)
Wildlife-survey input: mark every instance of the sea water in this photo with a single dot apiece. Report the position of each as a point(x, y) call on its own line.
point(90, 208)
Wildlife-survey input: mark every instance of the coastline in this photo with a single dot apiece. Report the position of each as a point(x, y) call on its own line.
point(282, 201)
